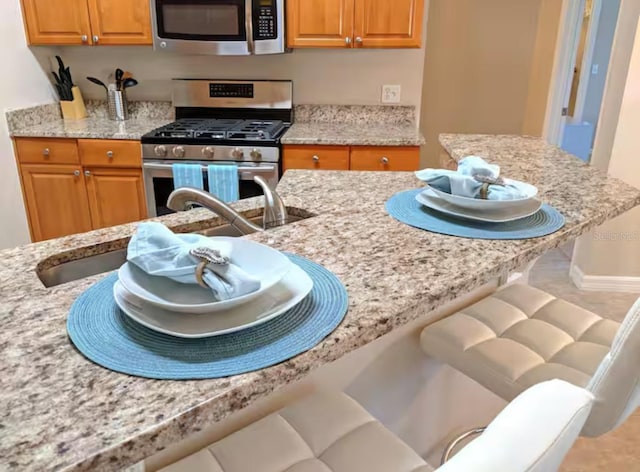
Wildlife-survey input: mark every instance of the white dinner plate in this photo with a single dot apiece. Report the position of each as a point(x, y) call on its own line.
point(286, 294)
point(261, 261)
point(429, 199)
point(479, 204)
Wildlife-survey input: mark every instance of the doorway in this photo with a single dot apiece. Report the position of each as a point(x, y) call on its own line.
point(580, 80)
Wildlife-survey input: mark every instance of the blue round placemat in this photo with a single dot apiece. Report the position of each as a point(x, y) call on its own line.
point(404, 207)
point(108, 337)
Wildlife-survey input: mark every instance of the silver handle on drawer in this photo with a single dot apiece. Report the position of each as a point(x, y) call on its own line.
point(87, 173)
point(46, 152)
point(347, 40)
point(110, 154)
point(76, 173)
point(84, 38)
point(358, 40)
point(384, 160)
point(96, 38)
point(316, 158)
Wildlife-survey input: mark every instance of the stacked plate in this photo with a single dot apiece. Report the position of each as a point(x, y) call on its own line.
point(190, 311)
point(487, 211)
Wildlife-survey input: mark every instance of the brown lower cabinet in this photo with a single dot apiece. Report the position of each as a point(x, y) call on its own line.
point(380, 158)
point(77, 197)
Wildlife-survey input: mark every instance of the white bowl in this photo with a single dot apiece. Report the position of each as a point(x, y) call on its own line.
point(479, 204)
point(261, 261)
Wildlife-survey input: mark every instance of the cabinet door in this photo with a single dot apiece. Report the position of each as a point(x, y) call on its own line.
point(385, 24)
point(316, 157)
point(116, 196)
point(57, 22)
point(120, 21)
point(319, 23)
point(56, 200)
point(385, 158)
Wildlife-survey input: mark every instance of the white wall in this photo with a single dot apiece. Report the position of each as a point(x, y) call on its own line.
point(22, 84)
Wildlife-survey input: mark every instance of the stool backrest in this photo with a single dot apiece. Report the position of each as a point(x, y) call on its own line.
point(616, 383)
point(532, 434)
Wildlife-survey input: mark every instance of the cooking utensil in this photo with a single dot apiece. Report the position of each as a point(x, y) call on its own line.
point(64, 81)
point(97, 82)
point(128, 83)
point(119, 75)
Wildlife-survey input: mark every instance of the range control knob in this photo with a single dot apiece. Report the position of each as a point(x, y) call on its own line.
point(237, 153)
point(160, 151)
point(209, 152)
point(256, 154)
point(178, 151)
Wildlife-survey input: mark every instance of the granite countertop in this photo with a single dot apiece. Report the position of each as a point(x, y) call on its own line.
point(60, 411)
point(354, 134)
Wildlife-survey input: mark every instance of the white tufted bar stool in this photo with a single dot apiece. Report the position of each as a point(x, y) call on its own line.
point(330, 432)
point(521, 336)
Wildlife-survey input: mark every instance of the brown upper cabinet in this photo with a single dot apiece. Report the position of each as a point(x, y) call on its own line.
point(87, 22)
point(354, 23)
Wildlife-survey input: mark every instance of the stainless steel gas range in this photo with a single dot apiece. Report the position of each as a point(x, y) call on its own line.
point(219, 121)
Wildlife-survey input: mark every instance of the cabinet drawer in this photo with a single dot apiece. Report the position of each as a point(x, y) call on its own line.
point(110, 153)
point(316, 157)
point(385, 158)
point(47, 151)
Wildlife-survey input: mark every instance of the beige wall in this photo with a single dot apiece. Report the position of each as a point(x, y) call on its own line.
point(22, 84)
point(614, 248)
point(478, 67)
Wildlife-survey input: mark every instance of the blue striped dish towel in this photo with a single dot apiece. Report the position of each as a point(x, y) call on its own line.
point(223, 182)
point(187, 175)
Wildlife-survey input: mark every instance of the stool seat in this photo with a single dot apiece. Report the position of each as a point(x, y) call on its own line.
point(521, 336)
point(326, 432)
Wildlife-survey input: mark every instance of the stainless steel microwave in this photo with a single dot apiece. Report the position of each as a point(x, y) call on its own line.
point(219, 27)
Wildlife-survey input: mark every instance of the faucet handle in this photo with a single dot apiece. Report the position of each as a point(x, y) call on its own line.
point(275, 211)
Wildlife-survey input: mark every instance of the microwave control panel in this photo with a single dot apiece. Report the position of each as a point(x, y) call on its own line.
point(265, 24)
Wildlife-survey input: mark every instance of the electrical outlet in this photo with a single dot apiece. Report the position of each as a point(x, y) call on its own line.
point(391, 93)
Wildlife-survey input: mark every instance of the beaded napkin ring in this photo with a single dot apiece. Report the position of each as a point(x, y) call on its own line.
point(486, 182)
point(207, 256)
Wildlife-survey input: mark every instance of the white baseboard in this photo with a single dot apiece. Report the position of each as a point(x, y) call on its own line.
point(603, 283)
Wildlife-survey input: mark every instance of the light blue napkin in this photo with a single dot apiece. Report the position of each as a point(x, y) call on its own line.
point(462, 183)
point(160, 252)
point(223, 182)
point(187, 175)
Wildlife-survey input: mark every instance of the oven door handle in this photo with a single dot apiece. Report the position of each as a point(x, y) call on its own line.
point(261, 169)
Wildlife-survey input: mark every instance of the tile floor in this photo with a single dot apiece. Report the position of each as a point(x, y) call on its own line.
point(619, 450)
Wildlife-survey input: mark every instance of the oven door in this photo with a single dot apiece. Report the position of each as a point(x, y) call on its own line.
point(158, 182)
point(220, 27)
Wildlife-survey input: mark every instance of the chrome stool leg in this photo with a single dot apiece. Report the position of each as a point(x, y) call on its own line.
point(446, 455)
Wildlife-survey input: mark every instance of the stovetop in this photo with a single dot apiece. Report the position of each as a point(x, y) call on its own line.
point(217, 131)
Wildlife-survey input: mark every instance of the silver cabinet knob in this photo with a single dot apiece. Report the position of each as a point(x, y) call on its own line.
point(347, 40)
point(76, 173)
point(256, 154)
point(160, 151)
point(358, 40)
point(178, 151)
point(237, 153)
point(163, 44)
point(110, 154)
point(316, 158)
point(384, 160)
point(209, 152)
point(87, 173)
point(96, 38)
point(46, 152)
point(84, 38)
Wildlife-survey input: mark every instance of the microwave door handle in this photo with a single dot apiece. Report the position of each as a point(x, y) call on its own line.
point(248, 20)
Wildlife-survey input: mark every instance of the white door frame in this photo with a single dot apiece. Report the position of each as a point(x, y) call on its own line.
point(562, 76)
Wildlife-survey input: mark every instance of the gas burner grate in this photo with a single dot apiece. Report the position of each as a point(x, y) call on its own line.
point(256, 130)
point(219, 129)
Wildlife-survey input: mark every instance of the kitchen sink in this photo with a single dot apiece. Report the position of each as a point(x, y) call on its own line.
point(98, 264)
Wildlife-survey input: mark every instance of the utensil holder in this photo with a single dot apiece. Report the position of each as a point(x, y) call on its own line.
point(75, 109)
point(117, 104)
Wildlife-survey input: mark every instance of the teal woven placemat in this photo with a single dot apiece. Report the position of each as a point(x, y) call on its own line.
point(108, 337)
point(404, 207)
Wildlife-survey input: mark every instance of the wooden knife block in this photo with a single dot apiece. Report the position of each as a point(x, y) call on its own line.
point(74, 110)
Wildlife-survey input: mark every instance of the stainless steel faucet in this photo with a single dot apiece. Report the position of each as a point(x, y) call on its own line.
point(275, 212)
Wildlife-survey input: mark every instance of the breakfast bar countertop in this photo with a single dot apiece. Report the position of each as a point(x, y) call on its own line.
point(60, 411)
